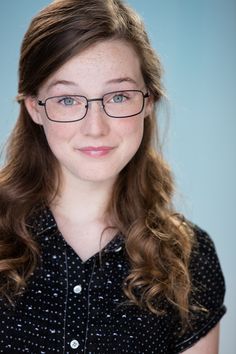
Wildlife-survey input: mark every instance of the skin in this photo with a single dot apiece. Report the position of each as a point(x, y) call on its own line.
point(208, 344)
point(87, 180)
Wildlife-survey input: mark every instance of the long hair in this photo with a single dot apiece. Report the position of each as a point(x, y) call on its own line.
point(157, 243)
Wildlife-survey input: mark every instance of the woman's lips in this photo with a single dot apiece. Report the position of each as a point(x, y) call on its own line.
point(96, 151)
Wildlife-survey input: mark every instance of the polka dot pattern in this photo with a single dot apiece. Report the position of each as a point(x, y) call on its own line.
point(78, 307)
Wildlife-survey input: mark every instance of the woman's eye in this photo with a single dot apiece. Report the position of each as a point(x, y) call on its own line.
point(119, 98)
point(67, 101)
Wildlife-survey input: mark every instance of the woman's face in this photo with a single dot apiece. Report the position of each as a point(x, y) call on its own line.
point(97, 147)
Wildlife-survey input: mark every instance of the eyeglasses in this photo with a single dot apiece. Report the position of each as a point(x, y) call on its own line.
point(72, 108)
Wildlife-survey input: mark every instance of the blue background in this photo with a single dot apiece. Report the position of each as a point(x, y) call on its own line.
point(197, 44)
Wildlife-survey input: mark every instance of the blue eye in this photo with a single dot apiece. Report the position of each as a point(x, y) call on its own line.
point(67, 101)
point(119, 98)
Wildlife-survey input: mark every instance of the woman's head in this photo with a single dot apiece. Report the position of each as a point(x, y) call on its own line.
point(93, 112)
point(66, 29)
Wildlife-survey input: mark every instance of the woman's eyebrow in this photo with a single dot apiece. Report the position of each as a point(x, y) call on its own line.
point(61, 82)
point(74, 84)
point(121, 79)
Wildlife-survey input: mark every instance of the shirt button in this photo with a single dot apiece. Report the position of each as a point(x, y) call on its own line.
point(77, 289)
point(74, 344)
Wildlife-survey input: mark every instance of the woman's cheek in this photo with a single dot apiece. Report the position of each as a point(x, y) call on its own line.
point(60, 131)
point(132, 125)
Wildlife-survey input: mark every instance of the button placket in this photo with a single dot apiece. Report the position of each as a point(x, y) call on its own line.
point(78, 274)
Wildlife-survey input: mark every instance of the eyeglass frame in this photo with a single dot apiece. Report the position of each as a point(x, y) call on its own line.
point(43, 104)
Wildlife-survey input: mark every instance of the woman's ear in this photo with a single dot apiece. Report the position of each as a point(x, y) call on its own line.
point(149, 105)
point(33, 109)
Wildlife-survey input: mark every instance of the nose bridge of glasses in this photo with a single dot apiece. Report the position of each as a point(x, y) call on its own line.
point(100, 100)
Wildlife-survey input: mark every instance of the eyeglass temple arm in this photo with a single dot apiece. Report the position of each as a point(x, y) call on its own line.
point(41, 103)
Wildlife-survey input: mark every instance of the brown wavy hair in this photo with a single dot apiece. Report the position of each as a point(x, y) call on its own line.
point(158, 243)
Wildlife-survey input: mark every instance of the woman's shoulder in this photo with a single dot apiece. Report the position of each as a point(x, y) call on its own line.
point(204, 258)
point(202, 238)
point(208, 290)
point(205, 270)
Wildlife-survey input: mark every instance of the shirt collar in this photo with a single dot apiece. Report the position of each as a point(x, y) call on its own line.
point(43, 223)
point(116, 244)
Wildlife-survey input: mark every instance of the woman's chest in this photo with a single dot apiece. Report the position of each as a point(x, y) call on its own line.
point(97, 324)
point(74, 307)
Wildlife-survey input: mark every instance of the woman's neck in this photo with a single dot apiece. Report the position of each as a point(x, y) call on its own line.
point(83, 201)
point(80, 211)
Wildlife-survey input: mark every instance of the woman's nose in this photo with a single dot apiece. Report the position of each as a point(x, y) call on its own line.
point(96, 122)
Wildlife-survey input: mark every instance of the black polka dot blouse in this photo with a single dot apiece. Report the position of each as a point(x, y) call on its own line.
point(72, 306)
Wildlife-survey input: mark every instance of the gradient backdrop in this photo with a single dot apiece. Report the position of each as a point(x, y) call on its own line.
point(196, 42)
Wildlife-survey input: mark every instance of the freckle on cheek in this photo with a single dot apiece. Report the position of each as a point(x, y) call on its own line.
point(59, 130)
point(129, 126)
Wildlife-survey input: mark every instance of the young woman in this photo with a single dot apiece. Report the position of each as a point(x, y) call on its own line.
point(93, 256)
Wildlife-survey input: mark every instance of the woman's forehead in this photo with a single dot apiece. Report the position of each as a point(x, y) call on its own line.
point(105, 63)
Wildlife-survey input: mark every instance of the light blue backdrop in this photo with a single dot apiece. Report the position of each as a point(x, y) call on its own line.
point(197, 44)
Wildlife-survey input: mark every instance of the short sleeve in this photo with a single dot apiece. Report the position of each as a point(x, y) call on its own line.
point(207, 295)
